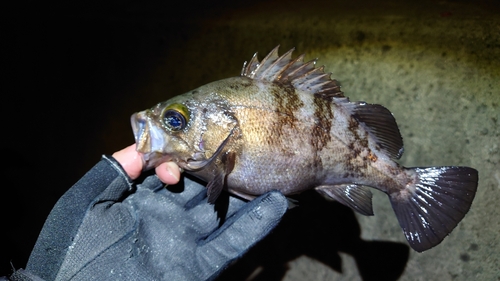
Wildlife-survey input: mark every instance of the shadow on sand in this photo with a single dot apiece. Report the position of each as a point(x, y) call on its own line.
point(319, 229)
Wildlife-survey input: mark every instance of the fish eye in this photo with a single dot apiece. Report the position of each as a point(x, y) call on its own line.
point(176, 116)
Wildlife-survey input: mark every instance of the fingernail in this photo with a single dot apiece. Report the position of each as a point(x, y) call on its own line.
point(170, 168)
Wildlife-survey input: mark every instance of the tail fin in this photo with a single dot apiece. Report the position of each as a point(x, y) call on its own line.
point(432, 207)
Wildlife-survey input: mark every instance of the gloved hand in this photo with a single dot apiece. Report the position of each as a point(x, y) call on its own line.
point(150, 233)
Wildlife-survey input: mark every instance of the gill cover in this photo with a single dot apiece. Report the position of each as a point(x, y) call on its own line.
point(213, 134)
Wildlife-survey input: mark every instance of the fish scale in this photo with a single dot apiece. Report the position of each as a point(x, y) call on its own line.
point(284, 124)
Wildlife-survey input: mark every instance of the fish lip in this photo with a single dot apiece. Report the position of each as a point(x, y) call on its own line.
point(150, 140)
point(137, 126)
point(153, 159)
point(149, 136)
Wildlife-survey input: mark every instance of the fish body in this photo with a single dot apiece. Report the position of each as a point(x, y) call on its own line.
point(285, 125)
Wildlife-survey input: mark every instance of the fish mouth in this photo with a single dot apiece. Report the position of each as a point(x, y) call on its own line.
point(150, 140)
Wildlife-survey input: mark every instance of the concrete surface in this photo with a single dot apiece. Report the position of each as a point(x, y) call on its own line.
point(435, 65)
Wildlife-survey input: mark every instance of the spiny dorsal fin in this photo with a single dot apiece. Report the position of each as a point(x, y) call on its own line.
point(284, 69)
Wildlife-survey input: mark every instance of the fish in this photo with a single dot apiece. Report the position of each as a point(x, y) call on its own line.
point(284, 124)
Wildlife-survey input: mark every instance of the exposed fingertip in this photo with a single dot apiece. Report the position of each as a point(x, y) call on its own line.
point(173, 170)
point(168, 173)
point(130, 160)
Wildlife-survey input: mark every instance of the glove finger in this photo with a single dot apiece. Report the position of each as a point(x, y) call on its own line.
point(206, 217)
point(185, 191)
point(241, 231)
point(235, 204)
point(198, 191)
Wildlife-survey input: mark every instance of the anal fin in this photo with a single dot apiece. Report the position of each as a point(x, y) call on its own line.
point(356, 197)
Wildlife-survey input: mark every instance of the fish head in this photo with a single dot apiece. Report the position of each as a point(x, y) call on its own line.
point(190, 130)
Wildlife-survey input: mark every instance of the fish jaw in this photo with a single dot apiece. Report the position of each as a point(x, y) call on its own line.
point(151, 140)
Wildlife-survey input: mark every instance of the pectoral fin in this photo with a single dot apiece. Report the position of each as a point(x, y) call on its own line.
point(214, 187)
point(221, 168)
point(356, 197)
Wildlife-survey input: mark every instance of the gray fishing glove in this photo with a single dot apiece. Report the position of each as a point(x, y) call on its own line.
point(150, 233)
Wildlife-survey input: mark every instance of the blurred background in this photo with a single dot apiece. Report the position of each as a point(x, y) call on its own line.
point(74, 72)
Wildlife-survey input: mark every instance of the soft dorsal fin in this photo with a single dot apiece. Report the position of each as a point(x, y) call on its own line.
point(380, 122)
point(301, 75)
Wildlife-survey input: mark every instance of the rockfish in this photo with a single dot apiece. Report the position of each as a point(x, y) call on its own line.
point(285, 125)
